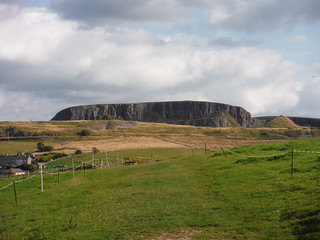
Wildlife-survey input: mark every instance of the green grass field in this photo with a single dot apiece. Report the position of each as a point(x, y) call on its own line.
point(231, 195)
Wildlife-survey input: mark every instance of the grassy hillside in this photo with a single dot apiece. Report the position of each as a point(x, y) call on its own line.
point(282, 122)
point(230, 195)
point(121, 135)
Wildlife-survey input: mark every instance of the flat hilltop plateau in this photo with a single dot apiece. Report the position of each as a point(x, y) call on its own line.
point(112, 135)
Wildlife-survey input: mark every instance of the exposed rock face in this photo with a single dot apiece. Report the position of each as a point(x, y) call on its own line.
point(193, 113)
point(311, 122)
point(300, 121)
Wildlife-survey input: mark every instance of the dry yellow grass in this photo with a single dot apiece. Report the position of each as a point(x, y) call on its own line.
point(122, 135)
point(39, 126)
point(117, 143)
point(282, 122)
point(156, 142)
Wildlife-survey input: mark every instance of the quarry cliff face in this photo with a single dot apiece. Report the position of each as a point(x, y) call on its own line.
point(193, 113)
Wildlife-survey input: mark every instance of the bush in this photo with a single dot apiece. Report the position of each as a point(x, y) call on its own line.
point(48, 148)
point(84, 132)
point(108, 117)
point(51, 156)
point(95, 150)
point(42, 148)
point(13, 132)
point(28, 167)
point(77, 152)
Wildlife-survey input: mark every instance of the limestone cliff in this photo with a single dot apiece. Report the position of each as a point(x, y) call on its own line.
point(195, 113)
point(303, 121)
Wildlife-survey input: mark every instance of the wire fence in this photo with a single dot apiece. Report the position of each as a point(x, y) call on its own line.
point(6, 186)
point(94, 163)
point(255, 156)
point(106, 162)
point(268, 155)
point(312, 152)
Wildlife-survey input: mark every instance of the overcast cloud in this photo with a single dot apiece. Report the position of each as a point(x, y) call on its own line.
point(248, 15)
point(84, 52)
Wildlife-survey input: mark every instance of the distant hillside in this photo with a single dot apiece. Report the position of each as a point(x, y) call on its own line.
point(301, 121)
point(193, 113)
point(310, 122)
point(282, 122)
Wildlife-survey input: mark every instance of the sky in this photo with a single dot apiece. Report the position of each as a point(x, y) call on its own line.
point(262, 55)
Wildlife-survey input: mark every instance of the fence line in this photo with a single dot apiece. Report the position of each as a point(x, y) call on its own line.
point(22, 180)
point(59, 172)
point(24, 193)
point(312, 152)
point(4, 204)
point(269, 155)
point(19, 195)
point(70, 169)
point(93, 160)
point(19, 181)
point(256, 156)
point(6, 186)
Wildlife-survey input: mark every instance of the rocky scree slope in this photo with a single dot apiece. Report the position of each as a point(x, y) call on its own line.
point(195, 113)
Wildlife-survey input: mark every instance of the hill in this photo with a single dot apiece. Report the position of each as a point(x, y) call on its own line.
point(111, 135)
point(282, 122)
point(300, 121)
point(304, 121)
point(193, 113)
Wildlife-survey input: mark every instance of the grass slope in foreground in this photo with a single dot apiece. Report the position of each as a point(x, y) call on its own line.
point(213, 196)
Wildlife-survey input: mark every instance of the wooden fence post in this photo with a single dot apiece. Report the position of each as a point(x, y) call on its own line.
point(292, 169)
point(15, 193)
point(205, 148)
point(223, 152)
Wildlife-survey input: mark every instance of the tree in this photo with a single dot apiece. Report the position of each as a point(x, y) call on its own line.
point(11, 131)
point(48, 148)
point(27, 167)
point(42, 148)
point(84, 132)
point(95, 150)
point(77, 152)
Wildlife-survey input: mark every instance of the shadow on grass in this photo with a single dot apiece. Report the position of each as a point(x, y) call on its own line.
point(306, 225)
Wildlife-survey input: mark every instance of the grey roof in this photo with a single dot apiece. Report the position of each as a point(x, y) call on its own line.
point(11, 170)
point(13, 157)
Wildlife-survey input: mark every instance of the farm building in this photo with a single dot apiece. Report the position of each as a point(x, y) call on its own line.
point(12, 172)
point(18, 159)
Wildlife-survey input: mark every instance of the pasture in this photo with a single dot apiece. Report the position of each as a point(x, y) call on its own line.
point(248, 192)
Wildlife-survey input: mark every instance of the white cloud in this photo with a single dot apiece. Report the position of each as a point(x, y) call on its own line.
point(253, 15)
point(247, 15)
point(218, 15)
point(297, 39)
point(7, 10)
point(51, 62)
point(100, 12)
point(316, 67)
point(32, 35)
point(229, 42)
point(272, 99)
point(309, 104)
point(26, 106)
